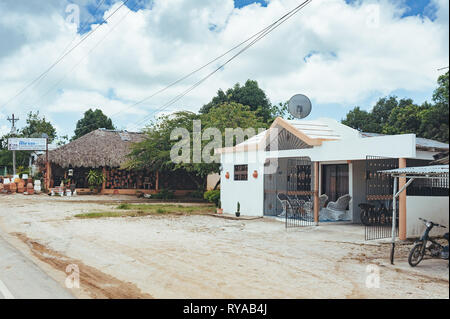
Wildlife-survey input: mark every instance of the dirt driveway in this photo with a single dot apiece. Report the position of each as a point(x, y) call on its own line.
point(207, 257)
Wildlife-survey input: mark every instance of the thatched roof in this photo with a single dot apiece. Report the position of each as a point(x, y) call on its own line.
point(99, 148)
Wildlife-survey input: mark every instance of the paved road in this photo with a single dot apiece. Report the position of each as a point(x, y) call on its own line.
point(21, 278)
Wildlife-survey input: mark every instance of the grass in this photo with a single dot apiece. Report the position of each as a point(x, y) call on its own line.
point(138, 210)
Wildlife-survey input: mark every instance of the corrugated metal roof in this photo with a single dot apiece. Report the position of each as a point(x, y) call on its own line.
point(427, 143)
point(419, 170)
point(420, 141)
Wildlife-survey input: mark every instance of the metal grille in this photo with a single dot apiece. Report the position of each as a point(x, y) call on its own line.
point(425, 186)
point(288, 192)
point(379, 186)
point(300, 194)
point(376, 213)
point(379, 223)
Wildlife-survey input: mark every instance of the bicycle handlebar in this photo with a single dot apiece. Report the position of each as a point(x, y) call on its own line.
point(429, 221)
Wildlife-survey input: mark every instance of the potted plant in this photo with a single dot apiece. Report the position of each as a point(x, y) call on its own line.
point(238, 211)
point(219, 207)
point(95, 180)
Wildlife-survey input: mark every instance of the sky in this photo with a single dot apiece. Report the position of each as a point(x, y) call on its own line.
point(340, 53)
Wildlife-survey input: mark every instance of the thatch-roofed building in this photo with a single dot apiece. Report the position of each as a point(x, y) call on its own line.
point(107, 150)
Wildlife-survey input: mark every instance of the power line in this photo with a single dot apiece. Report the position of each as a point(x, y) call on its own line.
point(256, 36)
point(76, 36)
point(259, 37)
point(83, 58)
point(202, 67)
point(63, 56)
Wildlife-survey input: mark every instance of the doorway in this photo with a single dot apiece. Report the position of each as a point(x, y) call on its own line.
point(335, 181)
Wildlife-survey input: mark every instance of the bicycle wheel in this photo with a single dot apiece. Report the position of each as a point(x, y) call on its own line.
point(364, 219)
point(416, 254)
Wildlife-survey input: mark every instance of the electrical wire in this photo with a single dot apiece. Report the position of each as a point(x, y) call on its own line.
point(63, 56)
point(258, 38)
point(81, 60)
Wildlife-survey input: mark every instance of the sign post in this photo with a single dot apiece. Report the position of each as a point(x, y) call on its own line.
point(14, 163)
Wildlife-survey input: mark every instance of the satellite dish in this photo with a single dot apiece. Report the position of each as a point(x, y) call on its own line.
point(300, 106)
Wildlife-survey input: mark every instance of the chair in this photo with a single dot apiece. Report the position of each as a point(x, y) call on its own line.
point(285, 204)
point(322, 200)
point(297, 205)
point(341, 203)
point(336, 211)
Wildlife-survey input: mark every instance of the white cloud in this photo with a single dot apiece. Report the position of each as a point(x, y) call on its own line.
point(332, 51)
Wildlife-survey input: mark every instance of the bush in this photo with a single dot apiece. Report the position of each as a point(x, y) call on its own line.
point(212, 196)
point(196, 194)
point(164, 194)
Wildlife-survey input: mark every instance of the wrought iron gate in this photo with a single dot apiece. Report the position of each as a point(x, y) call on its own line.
point(288, 192)
point(376, 213)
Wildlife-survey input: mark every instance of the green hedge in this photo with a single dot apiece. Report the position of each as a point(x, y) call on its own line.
point(212, 196)
point(164, 194)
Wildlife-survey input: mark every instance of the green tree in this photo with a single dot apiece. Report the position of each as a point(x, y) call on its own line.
point(440, 95)
point(404, 120)
point(393, 116)
point(435, 119)
point(91, 121)
point(360, 120)
point(154, 151)
point(37, 125)
point(382, 110)
point(250, 94)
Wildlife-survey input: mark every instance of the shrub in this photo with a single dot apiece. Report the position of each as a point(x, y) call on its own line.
point(196, 194)
point(212, 196)
point(164, 194)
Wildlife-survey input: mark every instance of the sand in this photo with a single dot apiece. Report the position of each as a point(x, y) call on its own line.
point(205, 257)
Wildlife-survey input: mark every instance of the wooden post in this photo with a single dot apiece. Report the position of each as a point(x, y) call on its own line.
point(402, 203)
point(104, 180)
point(157, 181)
point(316, 193)
point(48, 175)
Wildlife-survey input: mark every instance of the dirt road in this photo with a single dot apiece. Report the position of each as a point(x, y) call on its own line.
point(206, 257)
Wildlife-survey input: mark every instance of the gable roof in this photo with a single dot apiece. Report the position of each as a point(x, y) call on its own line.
point(99, 148)
point(312, 133)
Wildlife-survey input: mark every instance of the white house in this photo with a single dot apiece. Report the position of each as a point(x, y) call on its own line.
point(311, 158)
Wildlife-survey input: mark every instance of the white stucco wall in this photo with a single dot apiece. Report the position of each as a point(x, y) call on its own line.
point(432, 208)
point(249, 193)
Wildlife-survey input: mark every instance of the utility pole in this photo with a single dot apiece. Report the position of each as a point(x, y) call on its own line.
point(13, 121)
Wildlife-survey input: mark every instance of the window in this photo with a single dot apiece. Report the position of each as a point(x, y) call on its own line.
point(240, 172)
